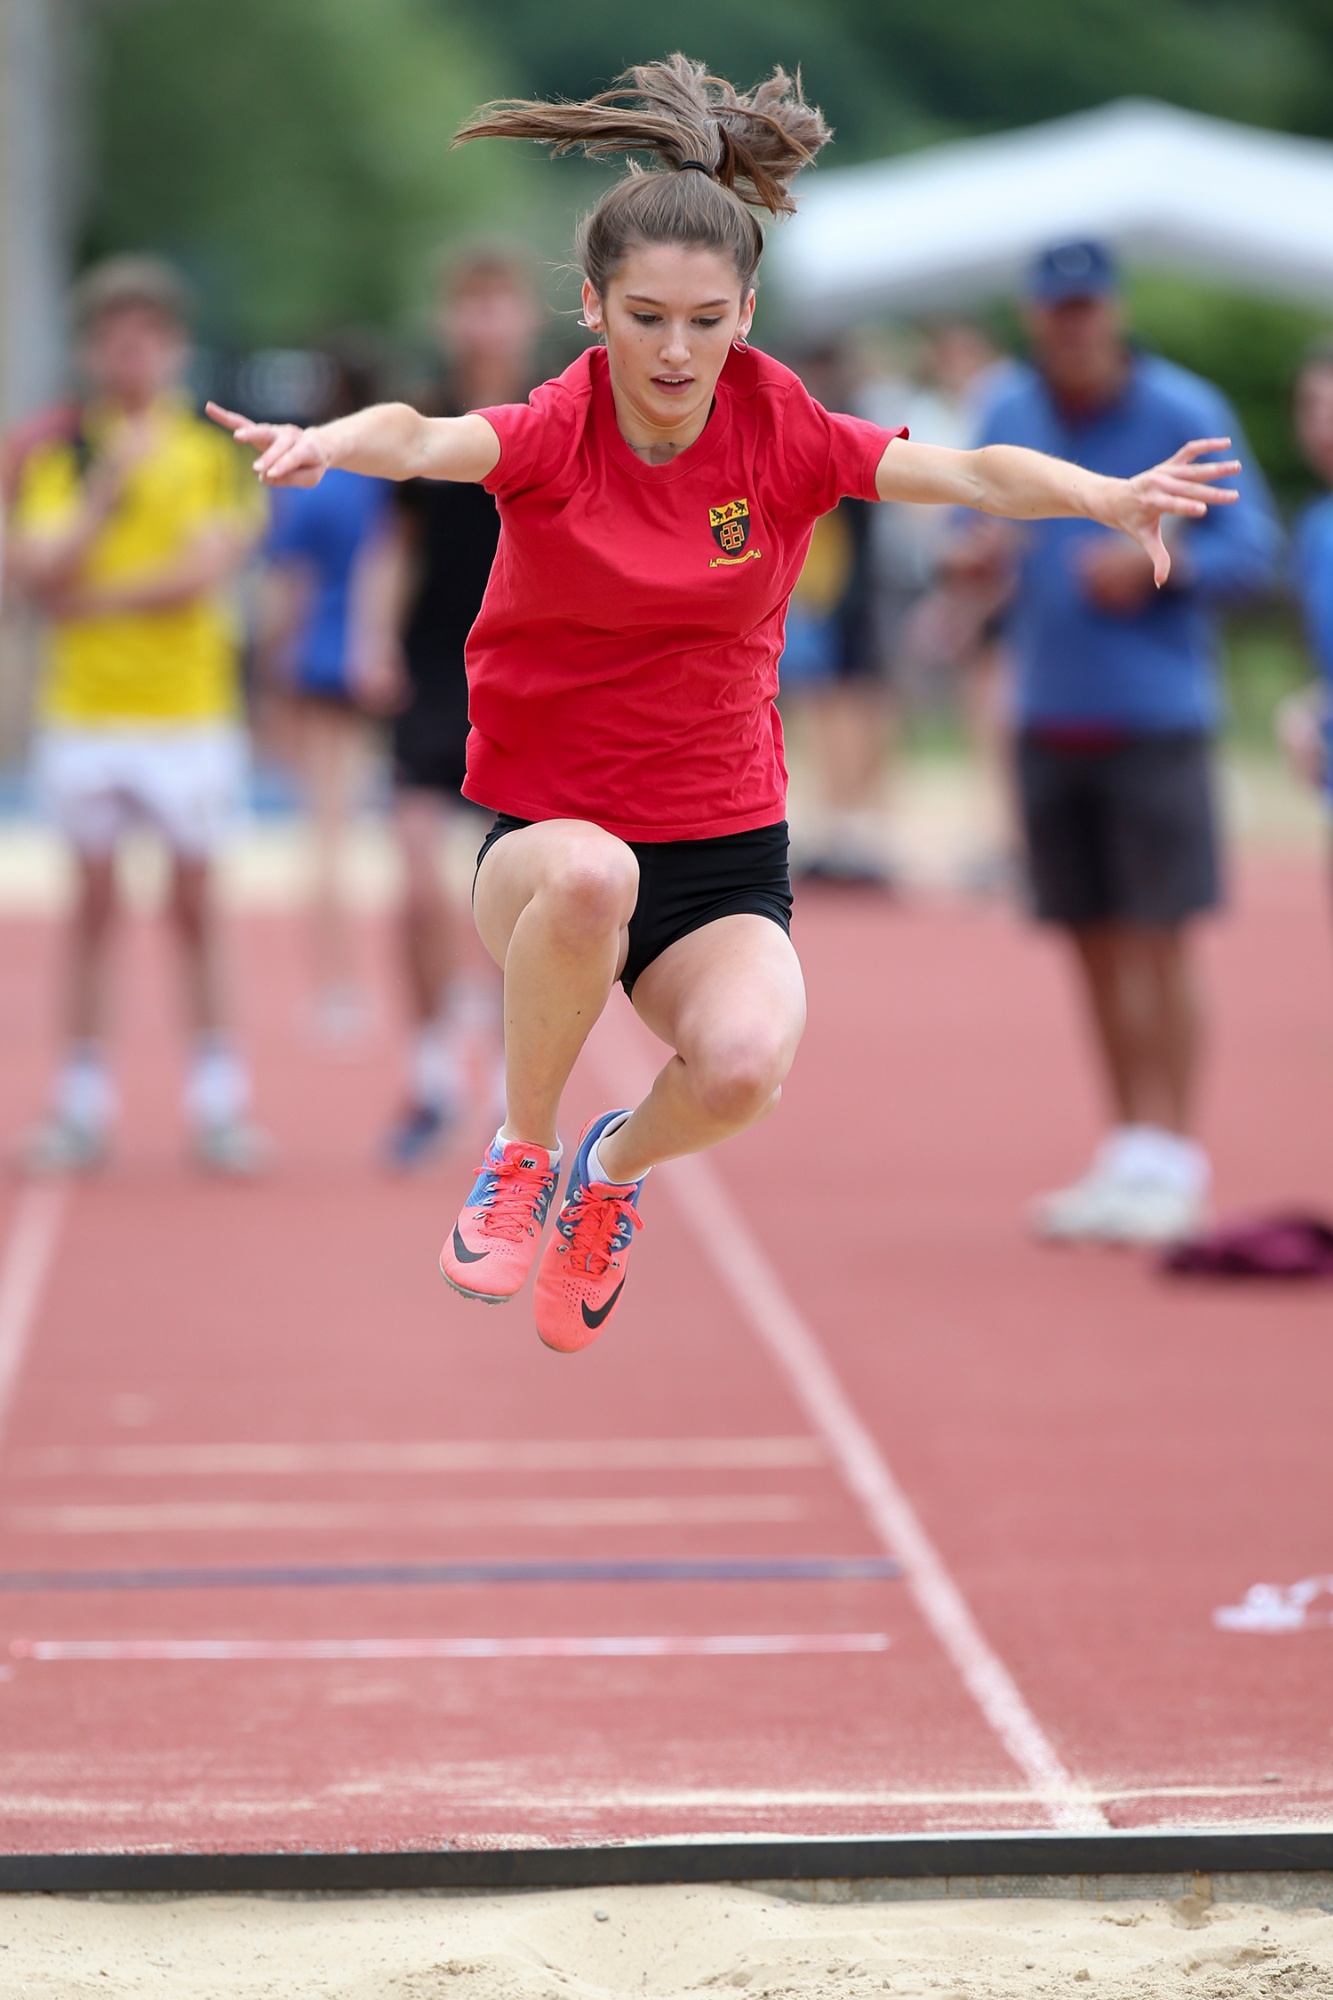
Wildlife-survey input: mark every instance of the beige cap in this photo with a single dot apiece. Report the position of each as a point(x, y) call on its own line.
point(130, 281)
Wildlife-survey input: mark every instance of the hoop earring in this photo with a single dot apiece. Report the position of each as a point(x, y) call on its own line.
point(740, 344)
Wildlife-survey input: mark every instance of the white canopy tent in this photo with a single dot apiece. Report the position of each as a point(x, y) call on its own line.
point(953, 225)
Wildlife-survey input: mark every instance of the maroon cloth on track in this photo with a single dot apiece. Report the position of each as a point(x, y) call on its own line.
point(1268, 1246)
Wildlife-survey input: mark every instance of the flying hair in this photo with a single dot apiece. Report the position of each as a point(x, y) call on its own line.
point(750, 146)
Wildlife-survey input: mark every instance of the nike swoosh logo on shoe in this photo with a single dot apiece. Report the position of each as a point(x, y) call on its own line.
point(595, 1319)
point(466, 1256)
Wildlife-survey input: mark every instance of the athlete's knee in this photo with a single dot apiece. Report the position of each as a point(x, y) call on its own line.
point(592, 885)
point(739, 1077)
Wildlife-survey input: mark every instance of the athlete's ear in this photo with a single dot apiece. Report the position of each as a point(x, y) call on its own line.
point(592, 309)
point(746, 320)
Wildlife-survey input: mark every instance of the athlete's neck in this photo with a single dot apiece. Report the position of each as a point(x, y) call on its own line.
point(655, 442)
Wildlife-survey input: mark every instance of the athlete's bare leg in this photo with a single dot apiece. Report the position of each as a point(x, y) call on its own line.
point(730, 1000)
point(1146, 1019)
point(433, 949)
point(92, 924)
point(330, 745)
point(552, 904)
point(196, 922)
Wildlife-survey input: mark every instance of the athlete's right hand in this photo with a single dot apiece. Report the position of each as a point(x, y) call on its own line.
point(288, 455)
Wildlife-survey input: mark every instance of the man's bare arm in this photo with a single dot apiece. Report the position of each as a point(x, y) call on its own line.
point(44, 562)
point(209, 561)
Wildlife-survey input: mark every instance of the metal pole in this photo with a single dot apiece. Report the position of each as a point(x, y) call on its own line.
point(37, 145)
point(39, 151)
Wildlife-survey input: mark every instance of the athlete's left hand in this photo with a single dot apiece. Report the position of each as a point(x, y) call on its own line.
point(1180, 485)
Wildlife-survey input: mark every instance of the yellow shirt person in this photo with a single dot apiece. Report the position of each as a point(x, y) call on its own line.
point(173, 663)
point(128, 520)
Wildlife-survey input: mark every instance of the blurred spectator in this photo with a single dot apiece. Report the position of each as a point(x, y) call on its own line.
point(1305, 720)
point(129, 518)
point(488, 319)
point(833, 686)
point(321, 655)
point(935, 627)
point(1116, 701)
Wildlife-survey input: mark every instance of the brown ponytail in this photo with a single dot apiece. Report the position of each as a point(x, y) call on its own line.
point(751, 147)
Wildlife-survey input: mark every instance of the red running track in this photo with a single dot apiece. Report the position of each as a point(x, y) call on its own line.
point(1076, 1463)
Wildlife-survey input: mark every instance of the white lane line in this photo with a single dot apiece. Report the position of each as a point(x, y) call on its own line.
point(169, 1517)
point(747, 1273)
point(29, 1251)
point(616, 1647)
point(871, 1801)
point(1306, 1809)
point(246, 1458)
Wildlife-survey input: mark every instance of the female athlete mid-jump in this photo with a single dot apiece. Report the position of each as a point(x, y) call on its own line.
point(656, 503)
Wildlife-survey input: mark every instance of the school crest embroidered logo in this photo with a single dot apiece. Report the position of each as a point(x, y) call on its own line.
point(730, 525)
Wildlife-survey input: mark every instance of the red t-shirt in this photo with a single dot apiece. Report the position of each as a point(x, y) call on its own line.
point(623, 666)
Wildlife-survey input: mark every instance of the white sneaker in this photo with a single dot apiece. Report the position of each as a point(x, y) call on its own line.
point(1107, 1208)
point(1151, 1213)
point(232, 1148)
point(65, 1146)
point(340, 1018)
point(1081, 1213)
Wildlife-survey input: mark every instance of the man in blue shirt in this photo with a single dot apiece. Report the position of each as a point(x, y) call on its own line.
point(1307, 718)
point(1116, 700)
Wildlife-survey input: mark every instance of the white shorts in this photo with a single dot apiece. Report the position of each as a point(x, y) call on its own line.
point(187, 783)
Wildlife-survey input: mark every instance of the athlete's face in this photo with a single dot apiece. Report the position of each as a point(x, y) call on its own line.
point(133, 354)
point(1314, 417)
point(669, 316)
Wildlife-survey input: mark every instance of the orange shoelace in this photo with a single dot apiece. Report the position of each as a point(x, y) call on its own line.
point(595, 1226)
point(516, 1195)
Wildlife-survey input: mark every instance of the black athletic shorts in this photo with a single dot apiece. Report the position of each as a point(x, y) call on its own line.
point(429, 736)
point(685, 884)
point(1120, 831)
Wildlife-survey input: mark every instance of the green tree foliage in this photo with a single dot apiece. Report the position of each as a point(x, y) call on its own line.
point(890, 72)
point(1310, 108)
point(1251, 346)
point(581, 45)
point(293, 155)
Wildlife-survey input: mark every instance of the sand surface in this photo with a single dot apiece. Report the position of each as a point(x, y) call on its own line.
point(657, 1941)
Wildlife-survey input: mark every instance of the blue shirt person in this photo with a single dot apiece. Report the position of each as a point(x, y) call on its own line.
point(1116, 697)
point(323, 531)
point(1307, 717)
point(1147, 666)
point(325, 562)
point(1313, 570)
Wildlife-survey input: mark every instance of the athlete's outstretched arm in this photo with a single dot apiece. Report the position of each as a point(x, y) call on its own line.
point(388, 441)
point(1023, 485)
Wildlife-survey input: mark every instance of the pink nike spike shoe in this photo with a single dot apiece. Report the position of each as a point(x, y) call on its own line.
point(582, 1272)
point(498, 1231)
